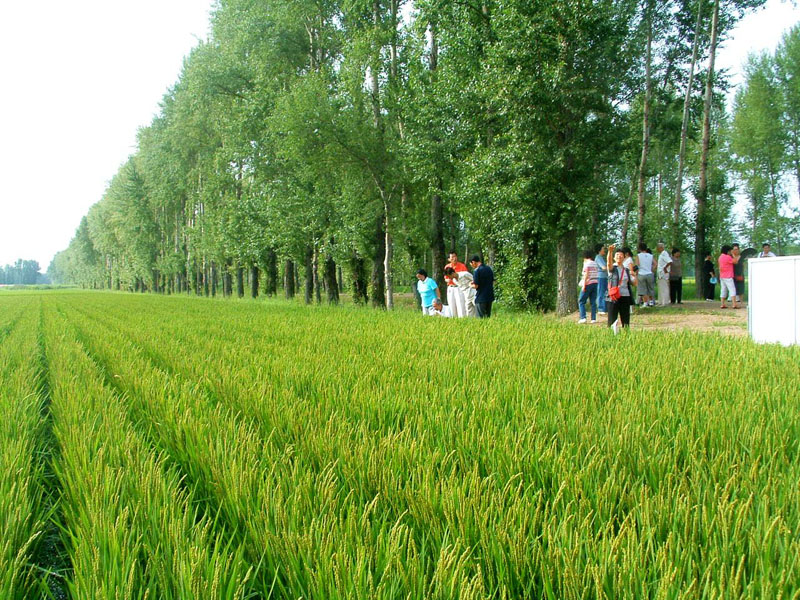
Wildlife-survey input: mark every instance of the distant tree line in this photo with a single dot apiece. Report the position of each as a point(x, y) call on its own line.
point(322, 146)
point(22, 272)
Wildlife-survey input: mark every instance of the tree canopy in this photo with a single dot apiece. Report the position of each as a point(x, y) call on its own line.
point(346, 144)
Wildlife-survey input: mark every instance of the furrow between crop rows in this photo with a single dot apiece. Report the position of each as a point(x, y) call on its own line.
point(131, 527)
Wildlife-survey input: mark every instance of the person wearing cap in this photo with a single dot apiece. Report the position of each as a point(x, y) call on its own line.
point(483, 283)
point(455, 296)
point(428, 291)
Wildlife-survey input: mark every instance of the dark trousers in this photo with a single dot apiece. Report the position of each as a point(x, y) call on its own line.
point(622, 309)
point(676, 290)
point(484, 309)
point(710, 290)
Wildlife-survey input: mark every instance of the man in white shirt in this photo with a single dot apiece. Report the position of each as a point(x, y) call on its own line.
point(646, 283)
point(441, 310)
point(664, 266)
point(766, 252)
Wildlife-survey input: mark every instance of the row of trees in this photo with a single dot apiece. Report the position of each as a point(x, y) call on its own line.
point(22, 272)
point(332, 143)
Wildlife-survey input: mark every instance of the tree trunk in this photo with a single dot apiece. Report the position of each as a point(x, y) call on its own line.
point(567, 268)
point(331, 285)
point(227, 280)
point(339, 277)
point(271, 273)
point(387, 265)
point(214, 279)
point(315, 276)
point(687, 101)
point(254, 281)
point(288, 280)
point(377, 283)
point(702, 187)
point(359, 273)
point(309, 277)
point(645, 125)
point(437, 238)
point(239, 280)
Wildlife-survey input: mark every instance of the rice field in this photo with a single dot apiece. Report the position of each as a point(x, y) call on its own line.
point(174, 447)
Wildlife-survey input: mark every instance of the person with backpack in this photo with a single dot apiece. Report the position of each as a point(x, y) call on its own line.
point(619, 296)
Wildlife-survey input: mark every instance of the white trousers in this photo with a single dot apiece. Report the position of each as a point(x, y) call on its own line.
point(456, 301)
point(663, 291)
point(731, 287)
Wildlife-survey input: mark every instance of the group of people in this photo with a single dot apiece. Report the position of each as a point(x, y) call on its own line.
point(607, 268)
point(731, 274)
point(468, 294)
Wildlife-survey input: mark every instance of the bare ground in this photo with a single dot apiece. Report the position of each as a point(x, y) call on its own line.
point(690, 315)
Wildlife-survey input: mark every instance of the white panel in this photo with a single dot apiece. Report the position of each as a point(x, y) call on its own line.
point(774, 300)
point(797, 302)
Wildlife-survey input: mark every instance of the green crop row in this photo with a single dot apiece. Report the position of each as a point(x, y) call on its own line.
point(233, 449)
point(519, 483)
point(131, 528)
point(21, 491)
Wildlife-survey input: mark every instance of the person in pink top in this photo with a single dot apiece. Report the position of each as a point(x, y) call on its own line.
point(726, 262)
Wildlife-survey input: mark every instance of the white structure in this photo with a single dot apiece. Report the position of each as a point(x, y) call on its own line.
point(774, 300)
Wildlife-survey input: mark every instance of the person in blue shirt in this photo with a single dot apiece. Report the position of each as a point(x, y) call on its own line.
point(428, 291)
point(602, 277)
point(483, 282)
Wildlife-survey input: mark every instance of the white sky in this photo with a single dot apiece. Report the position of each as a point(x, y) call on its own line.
point(80, 77)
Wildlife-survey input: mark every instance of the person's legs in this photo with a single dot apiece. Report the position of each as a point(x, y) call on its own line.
point(484, 309)
point(602, 286)
point(625, 310)
point(582, 303)
point(663, 291)
point(727, 290)
point(592, 291)
point(456, 301)
point(613, 312)
point(679, 290)
point(673, 291)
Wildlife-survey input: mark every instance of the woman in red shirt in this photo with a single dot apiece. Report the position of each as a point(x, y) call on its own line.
point(726, 262)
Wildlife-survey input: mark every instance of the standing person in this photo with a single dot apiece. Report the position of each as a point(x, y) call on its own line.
point(709, 275)
point(738, 273)
point(602, 277)
point(676, 278)
point(619, 276)
point(646, 281)
point(664, 266)
point(463, 281)
point(483, 283)
point(455, 298)
point(428, 291)
point(766, 252)
point(727, 286)
point(629, 264)
point(588, 287)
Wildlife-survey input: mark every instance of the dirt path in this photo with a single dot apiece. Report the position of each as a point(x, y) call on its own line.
point(691, 315)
